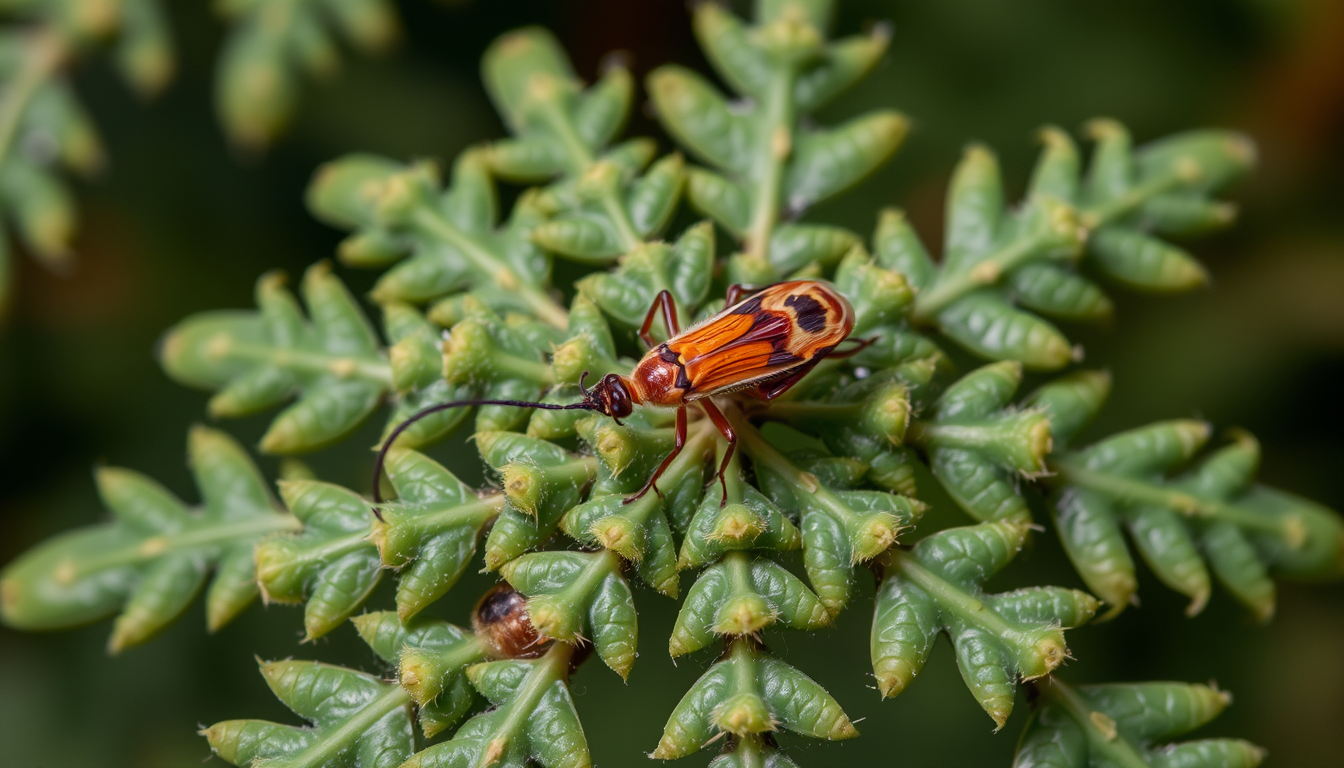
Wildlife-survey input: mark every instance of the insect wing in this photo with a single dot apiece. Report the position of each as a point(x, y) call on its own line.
point(764, 337)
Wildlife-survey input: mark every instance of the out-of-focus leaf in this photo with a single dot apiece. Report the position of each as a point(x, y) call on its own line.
point(155, 555)
point(271, 43)
point(766, 162)
point(256, 361)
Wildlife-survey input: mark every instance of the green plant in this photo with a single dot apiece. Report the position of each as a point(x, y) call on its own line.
point(837, 469)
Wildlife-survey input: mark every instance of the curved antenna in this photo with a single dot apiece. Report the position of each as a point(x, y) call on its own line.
point(418, 415)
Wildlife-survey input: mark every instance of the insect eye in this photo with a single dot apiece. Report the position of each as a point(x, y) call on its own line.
point(500, 619)
point(619, 403)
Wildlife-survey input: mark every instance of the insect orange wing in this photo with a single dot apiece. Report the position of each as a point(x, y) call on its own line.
point(765, 336)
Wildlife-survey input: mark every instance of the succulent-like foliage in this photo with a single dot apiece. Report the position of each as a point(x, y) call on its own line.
point(995, 258)
point(257, 361)
point(979, 448)
point(764, 163)
point(533, 721)
point(271, 42)
point(1128, 724)
point(580, 597)
point(936, 587)
point(148, 563)
point(357, 721)
point(750, 693)
point(431, 658)
point(834, 466)
point(1178, 519)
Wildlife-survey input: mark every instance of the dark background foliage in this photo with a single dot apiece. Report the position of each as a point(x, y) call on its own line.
point(180, 223)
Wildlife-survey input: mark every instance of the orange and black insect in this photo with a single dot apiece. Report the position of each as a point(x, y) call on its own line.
point(760, 345)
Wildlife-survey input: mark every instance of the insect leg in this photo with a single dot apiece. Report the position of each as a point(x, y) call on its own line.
point(736, 291)
point(769, 390)
point(721, 423)
point(668, 305)
point(862, 344)
point(678, 441)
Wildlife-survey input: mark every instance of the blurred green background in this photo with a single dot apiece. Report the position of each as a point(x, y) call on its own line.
point(181, 223)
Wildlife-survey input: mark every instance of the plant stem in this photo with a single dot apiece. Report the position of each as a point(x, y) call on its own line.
point(550, 668)
point(432, 223)
point(1103, 742)
point(303, 361)
point(966, 606)
point(205, 536)
point(343, 738)
point(1130, 490)
point(776, 140)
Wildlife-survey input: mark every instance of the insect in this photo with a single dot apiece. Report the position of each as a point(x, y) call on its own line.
point(501, 621)
point(761, 344)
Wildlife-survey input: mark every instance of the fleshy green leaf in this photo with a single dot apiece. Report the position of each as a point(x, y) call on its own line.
point(533, 720)
point(840, 529)
point(936, 587)
point(430, 532)
point(740, 596)
point(1118, 724)
point(331, 564)
point(155, 555)
point(978, 446)
point(357, 721)
point(331, 361)
point(580, 597)
point(751, 692)
point(431, 657)
point(1213, 511)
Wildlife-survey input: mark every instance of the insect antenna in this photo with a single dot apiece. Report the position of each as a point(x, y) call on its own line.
point(585, 405)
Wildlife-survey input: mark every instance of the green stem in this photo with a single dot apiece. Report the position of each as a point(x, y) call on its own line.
point(1102, 739)
point(1126, 203)
point(522, 368)
point(46, 51)
point(550, 668)
point(343, 738)
point(431, 222)
point(950, 287)
point(776, 141)
point(476, 512)
point(1137, 491)
point(602, 563)
point(807, 489)
point(739, 572)
point(621, 218)
point(949, 597)
point(314, 362)
point(156, 546)
point(580, 157)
